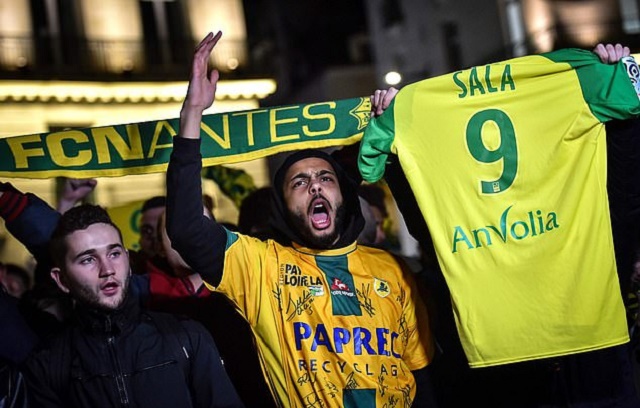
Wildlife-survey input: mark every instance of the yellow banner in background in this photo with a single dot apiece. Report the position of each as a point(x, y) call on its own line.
point(127, 218)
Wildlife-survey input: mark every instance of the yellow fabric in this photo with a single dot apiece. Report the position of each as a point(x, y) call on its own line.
point(281, 289)
point(127, 218)
point(530, 263)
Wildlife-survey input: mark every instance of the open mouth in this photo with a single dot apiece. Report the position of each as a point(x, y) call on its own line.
point(319, 214)
point(110, 288)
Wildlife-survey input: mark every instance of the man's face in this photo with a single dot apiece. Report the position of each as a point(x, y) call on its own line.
point(148, 230)
point(314, 200)
point(96, 267)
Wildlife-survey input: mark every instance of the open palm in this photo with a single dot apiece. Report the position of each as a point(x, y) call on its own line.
point(202, 87)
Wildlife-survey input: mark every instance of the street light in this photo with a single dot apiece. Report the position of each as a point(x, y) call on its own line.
point(392, 78)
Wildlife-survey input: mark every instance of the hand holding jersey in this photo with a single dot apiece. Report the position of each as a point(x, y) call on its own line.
point(381, 99)
point(610, 54)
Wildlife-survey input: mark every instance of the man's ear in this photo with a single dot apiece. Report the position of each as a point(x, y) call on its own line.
point(56, 275)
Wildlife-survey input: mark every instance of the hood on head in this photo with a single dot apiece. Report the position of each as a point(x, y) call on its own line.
point(353, 221)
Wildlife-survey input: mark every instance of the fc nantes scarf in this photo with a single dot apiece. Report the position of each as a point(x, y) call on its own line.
point(145, 147)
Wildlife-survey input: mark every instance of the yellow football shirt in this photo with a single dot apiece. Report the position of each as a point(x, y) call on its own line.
point(508, 165)
point(334, 328)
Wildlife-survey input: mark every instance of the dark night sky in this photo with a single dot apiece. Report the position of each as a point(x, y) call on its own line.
point(310, 34)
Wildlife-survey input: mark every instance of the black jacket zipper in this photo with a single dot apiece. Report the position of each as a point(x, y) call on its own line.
point(119, 376)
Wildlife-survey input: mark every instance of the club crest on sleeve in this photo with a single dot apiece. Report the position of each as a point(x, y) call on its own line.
point(381, 287)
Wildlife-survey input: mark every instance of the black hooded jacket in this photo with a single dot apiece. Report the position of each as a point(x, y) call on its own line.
point(129, 358)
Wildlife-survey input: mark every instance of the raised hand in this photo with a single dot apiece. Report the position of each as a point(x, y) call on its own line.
point(73, 191)
point(610, 53)
point(202, 88)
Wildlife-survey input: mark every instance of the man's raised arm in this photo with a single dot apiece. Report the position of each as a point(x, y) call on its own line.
point(199, 240)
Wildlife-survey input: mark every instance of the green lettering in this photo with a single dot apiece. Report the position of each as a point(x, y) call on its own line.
point(474, 82)
point(487, 235)
point(502, 233)
point(507, 79)
point(540, 222)
point(487, 79)
point(532, 223)
point(458, 236)
point(525, 228)
point(460, 84)
point(552, 221)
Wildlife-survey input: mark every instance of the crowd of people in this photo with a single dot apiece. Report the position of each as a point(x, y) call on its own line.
point(302, 303)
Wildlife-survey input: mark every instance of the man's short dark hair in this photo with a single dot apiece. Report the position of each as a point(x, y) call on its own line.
point(76, 219)
point(255, 213)
point(154, 202)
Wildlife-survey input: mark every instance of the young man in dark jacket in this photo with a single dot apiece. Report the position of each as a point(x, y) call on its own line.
point(114, 353)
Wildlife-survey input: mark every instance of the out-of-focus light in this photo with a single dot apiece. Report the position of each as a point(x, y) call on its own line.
point(392, 78)
point(126, 91)
point(232, 63)
point(127, 65)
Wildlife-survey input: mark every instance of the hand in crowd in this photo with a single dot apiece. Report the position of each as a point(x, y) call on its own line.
point(202, 88)
point(610, 53)
point(381, 99)
point(75, 190)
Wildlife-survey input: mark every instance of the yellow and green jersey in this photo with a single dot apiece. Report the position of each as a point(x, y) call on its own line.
point(508, 165)
point(336, 328)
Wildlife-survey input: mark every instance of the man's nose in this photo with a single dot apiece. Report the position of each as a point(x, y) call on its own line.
point(107, 268)
point(314, 186)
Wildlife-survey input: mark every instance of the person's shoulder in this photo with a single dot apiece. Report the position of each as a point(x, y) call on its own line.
point(170, 323)
point(50, 347)
point(377, 254)
point(386, 262)
point(245, 242)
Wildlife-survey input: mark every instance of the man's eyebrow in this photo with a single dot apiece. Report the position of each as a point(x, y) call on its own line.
point(92, 251)
point(83, 253)
point(303, 174)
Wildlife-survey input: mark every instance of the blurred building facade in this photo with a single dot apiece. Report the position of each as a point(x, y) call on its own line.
point(85, 63)
point(422, 38)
